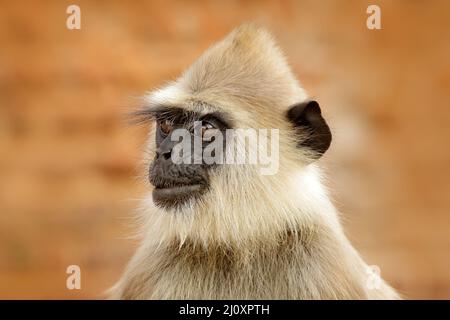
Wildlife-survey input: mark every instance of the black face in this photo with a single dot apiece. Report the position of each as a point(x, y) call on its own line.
point(176, 183)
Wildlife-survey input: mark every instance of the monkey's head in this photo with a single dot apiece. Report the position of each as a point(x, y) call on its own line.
point(243, 82)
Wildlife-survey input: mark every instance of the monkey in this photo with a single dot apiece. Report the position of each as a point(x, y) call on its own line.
point(224, 231)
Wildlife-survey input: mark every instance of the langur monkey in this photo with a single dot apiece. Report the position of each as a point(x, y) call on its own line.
point(220, 231)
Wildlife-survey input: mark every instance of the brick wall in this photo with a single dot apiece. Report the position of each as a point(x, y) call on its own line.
point(70, 167)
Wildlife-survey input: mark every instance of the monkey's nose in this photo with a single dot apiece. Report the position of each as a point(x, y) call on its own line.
point(164, 150)
point(163, 154)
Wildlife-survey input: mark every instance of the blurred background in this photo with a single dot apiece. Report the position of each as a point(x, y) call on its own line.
point(70, 166)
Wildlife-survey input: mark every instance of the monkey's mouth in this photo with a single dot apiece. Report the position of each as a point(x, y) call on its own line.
point(175, 191)
point(173, 195)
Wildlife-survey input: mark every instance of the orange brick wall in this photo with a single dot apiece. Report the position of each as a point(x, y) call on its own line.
point(70, 167)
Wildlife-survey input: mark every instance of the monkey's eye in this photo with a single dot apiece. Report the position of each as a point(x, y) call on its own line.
point(208, 131)
point(165, 126)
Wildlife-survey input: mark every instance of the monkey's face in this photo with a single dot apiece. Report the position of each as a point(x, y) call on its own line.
point(181, 171)
point(184, 177)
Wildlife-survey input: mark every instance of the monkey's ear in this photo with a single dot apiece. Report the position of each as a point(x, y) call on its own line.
point(307, 118)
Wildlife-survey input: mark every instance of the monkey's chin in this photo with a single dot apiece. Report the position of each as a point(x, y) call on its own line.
point(176, 196)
